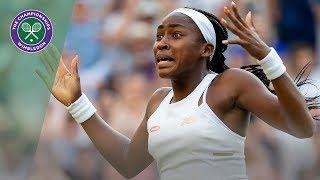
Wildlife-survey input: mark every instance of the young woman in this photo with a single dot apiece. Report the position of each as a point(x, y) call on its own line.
point(197, 128)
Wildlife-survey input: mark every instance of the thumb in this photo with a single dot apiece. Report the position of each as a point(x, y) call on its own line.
point(74, 66)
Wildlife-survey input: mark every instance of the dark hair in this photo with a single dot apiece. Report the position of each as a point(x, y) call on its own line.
point(217, 63)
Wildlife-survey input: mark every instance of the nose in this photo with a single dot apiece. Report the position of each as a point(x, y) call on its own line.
point(163, 44)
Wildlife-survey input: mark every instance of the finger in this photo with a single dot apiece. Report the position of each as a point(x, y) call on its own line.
point(74, 66)
point(45, 79)
point(235, 41)
point(249, 21)
point(55, 53)
point(236, 14)
point(232, 29)
point(44, 61)
point(235, 21)
point(56, 59)
point(47, 56)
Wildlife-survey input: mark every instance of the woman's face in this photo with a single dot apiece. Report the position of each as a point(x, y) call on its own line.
point(179, 47)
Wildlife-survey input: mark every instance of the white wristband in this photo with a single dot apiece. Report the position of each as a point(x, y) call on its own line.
point(82, 109)
point(272, 65)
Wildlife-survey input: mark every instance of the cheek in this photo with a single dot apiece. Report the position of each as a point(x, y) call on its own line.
point(185, 51)
point(155, 48)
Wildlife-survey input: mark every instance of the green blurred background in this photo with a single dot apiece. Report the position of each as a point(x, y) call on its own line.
point(23, 96)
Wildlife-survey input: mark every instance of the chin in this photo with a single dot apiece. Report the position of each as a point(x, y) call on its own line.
point(165, 75)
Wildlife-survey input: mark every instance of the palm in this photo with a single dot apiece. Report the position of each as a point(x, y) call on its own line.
point(65, 88)
point(63, 84)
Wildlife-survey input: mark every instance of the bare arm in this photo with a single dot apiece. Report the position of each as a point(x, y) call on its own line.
point(128, 157)
point(286, 111)
point(298, 117)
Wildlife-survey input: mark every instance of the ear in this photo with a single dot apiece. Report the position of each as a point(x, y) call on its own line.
point(207, 51)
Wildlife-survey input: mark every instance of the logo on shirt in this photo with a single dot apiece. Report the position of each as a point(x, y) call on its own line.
point(154, 128)
point(31, 31)
point(188, 120)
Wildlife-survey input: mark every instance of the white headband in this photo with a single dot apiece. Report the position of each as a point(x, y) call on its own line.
point(203, 24)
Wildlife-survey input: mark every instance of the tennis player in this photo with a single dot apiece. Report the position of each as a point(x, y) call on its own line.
point(196, 129)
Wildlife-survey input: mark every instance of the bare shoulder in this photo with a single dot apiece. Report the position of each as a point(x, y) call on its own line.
point(236, 74)
point(156, 99)
point(235, 82)
point(239, 78)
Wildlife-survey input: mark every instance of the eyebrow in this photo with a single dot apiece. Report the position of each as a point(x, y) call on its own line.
point(171, 26)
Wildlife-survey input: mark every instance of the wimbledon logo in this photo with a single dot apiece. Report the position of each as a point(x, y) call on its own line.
point(31, 31)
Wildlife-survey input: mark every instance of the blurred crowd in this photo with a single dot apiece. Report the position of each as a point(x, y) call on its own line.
point(114, 40)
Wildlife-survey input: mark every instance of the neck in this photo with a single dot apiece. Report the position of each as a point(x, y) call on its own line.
point(182, 87)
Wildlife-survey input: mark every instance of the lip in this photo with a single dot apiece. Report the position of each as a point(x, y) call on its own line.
point(164, 64)
point(163, 56)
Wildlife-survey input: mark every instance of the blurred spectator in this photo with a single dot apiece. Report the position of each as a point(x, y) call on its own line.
point(13, 164)
point(128, 110)
point(300, 55)
point(82, 40)
point(262, 152)
point(127, 113)
point(139, 44)
point(297, 155)
point(45, 165)
point(315, 4)
point(86, 167)
point(118, 14)
point(316, 146)
point(207, 5)
point(294, 22)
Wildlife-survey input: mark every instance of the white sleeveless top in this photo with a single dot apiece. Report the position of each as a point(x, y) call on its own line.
point(189, 142)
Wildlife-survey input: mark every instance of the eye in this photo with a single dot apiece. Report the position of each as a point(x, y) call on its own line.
point(159, 36)
point(177, 34)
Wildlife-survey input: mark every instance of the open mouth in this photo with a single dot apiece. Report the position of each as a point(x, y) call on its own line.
point(166, 59)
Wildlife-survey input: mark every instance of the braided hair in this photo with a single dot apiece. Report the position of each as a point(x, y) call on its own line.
point(217, 63)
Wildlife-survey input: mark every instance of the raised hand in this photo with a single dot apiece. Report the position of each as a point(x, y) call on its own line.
point(248, 38)
point(63, 84)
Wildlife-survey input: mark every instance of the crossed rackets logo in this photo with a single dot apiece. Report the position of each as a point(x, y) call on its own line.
point(31, 31)
point(26, 27)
